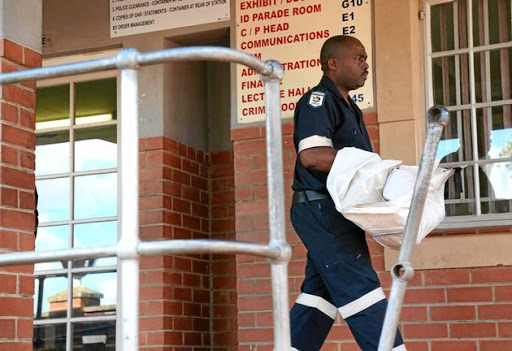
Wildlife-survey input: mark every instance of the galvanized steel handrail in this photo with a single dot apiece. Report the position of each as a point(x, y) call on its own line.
point(146, 248)
point(129, 247)
point(402, 270)
point(198, 53)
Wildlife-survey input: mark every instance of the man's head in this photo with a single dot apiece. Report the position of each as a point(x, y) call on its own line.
point(343, 60)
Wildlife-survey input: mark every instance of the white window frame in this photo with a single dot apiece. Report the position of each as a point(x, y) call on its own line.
point(477, 220)
point(69, 320)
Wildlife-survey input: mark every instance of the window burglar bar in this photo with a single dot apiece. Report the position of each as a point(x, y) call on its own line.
point(129, 247)
point(468, 46)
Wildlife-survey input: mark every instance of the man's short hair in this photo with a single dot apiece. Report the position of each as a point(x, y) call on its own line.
point(331, 45)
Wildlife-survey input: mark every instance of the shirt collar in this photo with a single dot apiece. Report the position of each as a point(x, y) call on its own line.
point(329, 84)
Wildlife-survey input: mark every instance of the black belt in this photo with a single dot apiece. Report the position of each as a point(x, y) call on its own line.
point(308, 195)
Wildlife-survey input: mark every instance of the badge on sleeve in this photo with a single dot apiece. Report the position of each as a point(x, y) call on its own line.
point(316, 99)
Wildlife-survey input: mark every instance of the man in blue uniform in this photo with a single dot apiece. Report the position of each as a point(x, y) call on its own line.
point(339, 276)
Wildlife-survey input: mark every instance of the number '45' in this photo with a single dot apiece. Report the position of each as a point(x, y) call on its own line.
point(358, 97)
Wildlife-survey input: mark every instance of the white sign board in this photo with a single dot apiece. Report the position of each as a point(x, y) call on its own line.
point(128, 17)
point(292, 32)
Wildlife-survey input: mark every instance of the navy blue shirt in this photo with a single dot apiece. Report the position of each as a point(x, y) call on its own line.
point(323, 118)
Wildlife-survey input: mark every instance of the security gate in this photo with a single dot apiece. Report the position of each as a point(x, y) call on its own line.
point(129, 248)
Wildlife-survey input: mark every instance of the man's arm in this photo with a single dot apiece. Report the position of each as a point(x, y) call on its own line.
point(318, 158)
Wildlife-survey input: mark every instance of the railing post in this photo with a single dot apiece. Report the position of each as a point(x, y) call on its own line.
point(128, 316)
point(402, 271)
point(275, 183)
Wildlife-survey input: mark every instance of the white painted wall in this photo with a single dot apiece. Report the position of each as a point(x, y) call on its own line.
point(21, 22)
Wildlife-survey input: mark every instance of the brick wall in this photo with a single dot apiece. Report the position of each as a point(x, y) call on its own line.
point(223, 267)
point(458, 309)
point(17, 200)
point(444, 310)
point(253, 274)
point(177, 185)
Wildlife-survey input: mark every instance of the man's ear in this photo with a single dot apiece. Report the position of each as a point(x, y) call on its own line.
point(332, 64)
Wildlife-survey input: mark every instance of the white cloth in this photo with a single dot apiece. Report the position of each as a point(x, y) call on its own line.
point(376, 194)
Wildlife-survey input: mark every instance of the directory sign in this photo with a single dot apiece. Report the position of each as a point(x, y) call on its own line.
point(292, 32)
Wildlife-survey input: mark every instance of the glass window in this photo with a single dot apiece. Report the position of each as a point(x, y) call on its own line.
point(50, 296)
point(97, 336)
point(97, 234)
point(96, 196)
point(95, 293)
point(96, 101)
point(76, 179)
point(469, 66)
point(95, 148)
point(53, 105)
point(51, 238)
point(50, 337)
point(449, 87)
point(52, 153)
point(53, 202)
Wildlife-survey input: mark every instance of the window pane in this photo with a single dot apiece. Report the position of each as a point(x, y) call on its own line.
point(459, 192)
point(50, 337)
point(96, 336)
point(96, 101)
point(494, 139)
point(94, 294)
point(450, 77)
point(478, 23)
point(52, 153)
point(96, 196)
point(447, 20)
point(492, 75)
point(53, 203)
point(495, 189)
point(95, 148)
point(51, 238)
point(52, 107)
point(51, 302)
point(97, 234)
point(500, 26)
point(498, 21)
point(455, 144)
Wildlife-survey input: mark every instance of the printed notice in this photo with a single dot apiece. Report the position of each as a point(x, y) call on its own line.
point(129, 17)
point(292, 32)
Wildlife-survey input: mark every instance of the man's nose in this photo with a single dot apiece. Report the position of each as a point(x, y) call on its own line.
point(366, 65)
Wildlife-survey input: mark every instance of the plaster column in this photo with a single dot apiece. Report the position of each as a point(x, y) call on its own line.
point(400, 80)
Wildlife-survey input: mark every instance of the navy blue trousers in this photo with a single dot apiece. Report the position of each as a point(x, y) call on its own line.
point(339, 278)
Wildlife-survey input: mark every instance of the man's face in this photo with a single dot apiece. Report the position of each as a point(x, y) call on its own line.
point(351, 67)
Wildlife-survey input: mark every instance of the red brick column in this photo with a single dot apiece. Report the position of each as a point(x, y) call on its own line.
point(187, 302)
point(17, 199)
point(223, 267)
point(175, 290)
point(253, 274)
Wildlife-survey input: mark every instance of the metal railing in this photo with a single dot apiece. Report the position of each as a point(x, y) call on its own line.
point(129, 248)
point(402, 270)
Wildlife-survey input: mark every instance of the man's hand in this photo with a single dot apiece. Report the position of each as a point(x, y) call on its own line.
point(318, 158)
